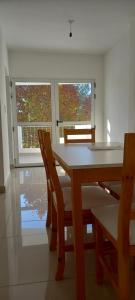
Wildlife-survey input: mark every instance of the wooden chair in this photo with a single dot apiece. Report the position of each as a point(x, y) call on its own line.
point(113, 187)
point(90, 133)
point(64, 180)
point(92, 196)
point(117, 224)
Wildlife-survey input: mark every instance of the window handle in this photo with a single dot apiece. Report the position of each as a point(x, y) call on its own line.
point(58, 121)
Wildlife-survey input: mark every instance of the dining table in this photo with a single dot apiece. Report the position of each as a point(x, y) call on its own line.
point(85, 164)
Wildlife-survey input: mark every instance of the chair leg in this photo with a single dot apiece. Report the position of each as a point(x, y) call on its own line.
point(99, 252)
point(113, 262)
point(53, 239)
point(48, 220)
point(61, 252)
point(134, 263)
point(123, 276)
point(60, 266)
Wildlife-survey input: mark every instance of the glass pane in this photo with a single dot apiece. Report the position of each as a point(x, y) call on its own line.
point(28, 137)
point(28, 145)
point(33, 102)
point(75, 101)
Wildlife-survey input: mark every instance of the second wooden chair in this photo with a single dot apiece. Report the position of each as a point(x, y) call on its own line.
point(79, 135)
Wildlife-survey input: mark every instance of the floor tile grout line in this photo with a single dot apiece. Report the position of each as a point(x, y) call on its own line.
point(35, 282)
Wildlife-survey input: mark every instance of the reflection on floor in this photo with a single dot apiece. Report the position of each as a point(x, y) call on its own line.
point(27, 268)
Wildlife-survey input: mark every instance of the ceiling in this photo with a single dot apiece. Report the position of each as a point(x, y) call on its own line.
point(43, 24)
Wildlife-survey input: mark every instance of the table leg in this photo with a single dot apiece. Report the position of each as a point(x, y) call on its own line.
point(78, 236)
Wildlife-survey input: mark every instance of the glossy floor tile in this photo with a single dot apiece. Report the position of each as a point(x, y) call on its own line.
point(27, 267)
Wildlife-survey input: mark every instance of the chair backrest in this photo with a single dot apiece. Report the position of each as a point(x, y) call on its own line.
point(126, 209)
point(41, 143)
point(52, 173)
point(79, 135)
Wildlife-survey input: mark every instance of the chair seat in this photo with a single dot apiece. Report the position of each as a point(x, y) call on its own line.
point(65, 181)
point(108, 216)
point(113, 185)
point(92, 196)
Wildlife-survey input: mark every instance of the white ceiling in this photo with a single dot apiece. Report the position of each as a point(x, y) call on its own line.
point(43, 24)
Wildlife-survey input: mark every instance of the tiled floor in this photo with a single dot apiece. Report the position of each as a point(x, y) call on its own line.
point(27, 267)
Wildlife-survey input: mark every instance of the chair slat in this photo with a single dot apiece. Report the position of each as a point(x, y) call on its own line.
point(76, 132)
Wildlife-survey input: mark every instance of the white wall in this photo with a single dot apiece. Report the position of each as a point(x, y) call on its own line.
point(58, 66)
point(116, 102)
point(131, 121)
point(4, 149)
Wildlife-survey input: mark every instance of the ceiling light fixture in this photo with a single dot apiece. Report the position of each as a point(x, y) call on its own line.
point(70, 27)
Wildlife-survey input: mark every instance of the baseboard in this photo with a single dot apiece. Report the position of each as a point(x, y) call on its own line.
point(2, 189)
